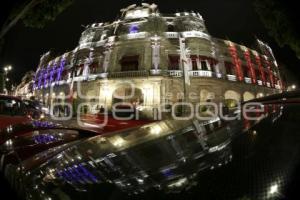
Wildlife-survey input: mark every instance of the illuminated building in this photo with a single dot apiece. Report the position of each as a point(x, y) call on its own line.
point(166, 58)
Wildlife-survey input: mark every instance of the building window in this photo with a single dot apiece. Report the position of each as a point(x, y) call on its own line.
point(204, 65)
point(174, 62)
point(258, 75)
point(246, 71)
point(229, 68)
point(194, 62)
point(129, 63)
point(171, 28)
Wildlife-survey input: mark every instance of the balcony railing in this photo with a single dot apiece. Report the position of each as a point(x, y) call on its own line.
point(201, 73)
point(175, 73)
point(128, 74)
point(95, 76)
point(156, 72)
point(231, 77)
point(172, 35)
point(219, 75)
point(248, 80)
point(139, 35)
point(196, 34)
point(259, 82)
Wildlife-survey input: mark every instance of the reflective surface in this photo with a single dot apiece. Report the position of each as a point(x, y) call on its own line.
point(170, 160)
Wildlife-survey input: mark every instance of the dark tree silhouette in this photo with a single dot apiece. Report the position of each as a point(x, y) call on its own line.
point(278, 19)
point(34, 13)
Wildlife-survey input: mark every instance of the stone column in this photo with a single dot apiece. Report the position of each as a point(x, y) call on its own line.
point(155, 52)
point(107, 54)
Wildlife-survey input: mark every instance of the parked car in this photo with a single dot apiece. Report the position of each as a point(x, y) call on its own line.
point(12, 111)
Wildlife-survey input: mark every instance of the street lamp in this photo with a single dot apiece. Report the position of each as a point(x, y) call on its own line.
point(7, 69)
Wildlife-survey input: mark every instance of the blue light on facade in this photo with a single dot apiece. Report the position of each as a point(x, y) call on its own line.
point(46, 76)
point(134, 28)
point(52, 73)
point(40, 79)
point(60, 69)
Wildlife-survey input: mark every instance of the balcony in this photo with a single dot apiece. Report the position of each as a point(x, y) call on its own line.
point(95, 76)
point(196, 34)
point(248, 80)
point(201, 73)
point(128, 74)
point(61, 82)
point(156, 72)
point(219, 75)
point(259, 82)
point(231, 77)
point(140, 35)
point(175, 73)
point(172, 35)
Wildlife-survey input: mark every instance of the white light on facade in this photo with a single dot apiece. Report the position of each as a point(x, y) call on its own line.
point(273, 189)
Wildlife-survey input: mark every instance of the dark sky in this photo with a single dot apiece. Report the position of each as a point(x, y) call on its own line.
point(232, 19)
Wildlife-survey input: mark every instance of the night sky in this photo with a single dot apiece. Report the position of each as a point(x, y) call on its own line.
point(232, 19)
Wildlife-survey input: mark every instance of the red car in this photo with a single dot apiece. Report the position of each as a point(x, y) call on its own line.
point(12, 111)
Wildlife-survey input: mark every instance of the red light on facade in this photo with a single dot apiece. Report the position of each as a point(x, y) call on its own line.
point(236, 62)
point(260, 67)
point(250, 65)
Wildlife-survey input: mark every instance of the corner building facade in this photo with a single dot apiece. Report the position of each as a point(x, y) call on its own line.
point(148, 59)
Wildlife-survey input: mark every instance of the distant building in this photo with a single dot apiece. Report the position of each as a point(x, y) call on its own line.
point(25, 88)
point(166, 58)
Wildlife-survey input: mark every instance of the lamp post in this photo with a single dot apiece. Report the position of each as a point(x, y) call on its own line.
point(7, 69)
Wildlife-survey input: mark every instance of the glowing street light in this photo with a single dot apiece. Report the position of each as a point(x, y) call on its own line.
point(7, 68)
point(294, 87)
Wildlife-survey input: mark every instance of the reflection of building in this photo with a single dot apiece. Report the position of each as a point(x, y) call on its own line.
point(166, 155)
point(156, 54)
point(24, 89)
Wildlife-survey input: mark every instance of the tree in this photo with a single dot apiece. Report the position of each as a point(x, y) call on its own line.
point(277, 19)
point(34, 13)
